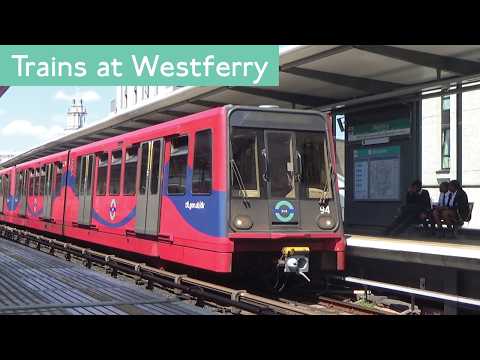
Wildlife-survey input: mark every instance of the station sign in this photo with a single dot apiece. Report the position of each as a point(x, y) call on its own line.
point(395, 127)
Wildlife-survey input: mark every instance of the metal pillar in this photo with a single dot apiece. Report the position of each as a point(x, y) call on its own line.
point(459, 133)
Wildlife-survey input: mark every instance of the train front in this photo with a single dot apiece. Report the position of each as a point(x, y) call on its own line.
point(285, 212)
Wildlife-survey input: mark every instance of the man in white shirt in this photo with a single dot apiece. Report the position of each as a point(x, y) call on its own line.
point(445, 195)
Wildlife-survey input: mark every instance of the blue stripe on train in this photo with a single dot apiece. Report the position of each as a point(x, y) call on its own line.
point(118, 224)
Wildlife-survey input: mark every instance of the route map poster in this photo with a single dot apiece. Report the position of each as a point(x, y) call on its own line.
point(377, 174)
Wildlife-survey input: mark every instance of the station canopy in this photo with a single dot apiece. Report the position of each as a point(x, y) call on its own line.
point(321, 77)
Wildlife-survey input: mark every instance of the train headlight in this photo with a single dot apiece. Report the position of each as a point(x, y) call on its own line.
point(242, 222)
point(326, 222)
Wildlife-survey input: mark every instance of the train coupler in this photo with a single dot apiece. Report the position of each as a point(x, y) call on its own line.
point(295, 260)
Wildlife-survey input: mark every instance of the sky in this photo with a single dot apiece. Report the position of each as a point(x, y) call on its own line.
point(32, 115)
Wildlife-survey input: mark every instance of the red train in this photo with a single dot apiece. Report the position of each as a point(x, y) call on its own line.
point(231, 189)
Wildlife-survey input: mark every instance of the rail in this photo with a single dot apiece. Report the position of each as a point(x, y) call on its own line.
point(236, 300)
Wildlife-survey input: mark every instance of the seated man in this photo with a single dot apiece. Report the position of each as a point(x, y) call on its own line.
point(416, 209)
point(443, 200)
point(456, 211)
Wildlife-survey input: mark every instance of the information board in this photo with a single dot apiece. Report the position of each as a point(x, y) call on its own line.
point(377, 174)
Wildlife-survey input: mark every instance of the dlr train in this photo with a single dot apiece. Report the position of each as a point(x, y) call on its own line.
point(233, 189)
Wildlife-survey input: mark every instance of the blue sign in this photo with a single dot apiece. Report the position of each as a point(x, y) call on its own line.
point(284, 211)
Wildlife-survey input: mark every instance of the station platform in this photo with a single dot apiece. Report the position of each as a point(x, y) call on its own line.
point(33, 282)
point(462, 252)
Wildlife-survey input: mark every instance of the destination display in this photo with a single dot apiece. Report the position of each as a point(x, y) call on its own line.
point(395, 127)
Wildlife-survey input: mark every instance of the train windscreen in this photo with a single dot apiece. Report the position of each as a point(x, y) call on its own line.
point(278, 164)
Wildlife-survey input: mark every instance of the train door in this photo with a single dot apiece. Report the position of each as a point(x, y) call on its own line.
point(149, 185)
point(47, 194)
point(2, 197)
point(85, 184)
point(280, 157)
point(6, 191)
point(23, 193)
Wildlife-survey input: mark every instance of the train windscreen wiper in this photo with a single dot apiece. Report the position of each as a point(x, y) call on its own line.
point(241, 184)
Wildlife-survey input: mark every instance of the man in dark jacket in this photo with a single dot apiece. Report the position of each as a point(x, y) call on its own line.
point(457, 210)
point(416, 209)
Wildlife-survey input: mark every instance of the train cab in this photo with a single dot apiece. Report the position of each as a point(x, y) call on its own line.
point(284, 203)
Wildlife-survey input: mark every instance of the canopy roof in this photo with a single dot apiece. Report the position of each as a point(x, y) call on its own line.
point(322, 77)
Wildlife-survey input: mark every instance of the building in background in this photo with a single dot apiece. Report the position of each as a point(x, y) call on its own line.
point(76, 116)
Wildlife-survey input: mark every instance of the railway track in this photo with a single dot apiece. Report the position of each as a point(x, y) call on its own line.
point(202, 292)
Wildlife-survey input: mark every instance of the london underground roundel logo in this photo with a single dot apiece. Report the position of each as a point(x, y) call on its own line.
point(284, 211)
point(112, 211)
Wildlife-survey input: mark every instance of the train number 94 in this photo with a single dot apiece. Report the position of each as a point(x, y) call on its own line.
point(324, 210)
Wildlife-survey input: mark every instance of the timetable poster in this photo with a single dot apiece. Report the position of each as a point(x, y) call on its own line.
point(377, 174)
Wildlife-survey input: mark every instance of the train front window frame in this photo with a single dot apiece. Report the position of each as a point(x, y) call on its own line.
point(314, 182)
point(241, 166)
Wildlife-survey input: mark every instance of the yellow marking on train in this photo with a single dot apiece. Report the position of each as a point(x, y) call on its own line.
point(295, 250)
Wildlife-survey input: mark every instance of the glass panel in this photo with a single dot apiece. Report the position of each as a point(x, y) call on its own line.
point(280, 157)
point(58, 178)
point(49, 179)
point(202, 164)
point(131, 160)
point(115, 172)
point(144, 169)
point(78, 180)
point(31, 183)
point(244, 174)
point(312, 167)
point(178, 165)
point(102, 174)
point(89, 175)
point(42, 181)
point(37, 182)
point(155, 167)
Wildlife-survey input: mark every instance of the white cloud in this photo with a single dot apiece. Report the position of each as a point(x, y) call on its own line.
point(26, 128)
point(87, 96)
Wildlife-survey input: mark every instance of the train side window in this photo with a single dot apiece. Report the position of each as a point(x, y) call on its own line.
point(58, 177)
point(178, 165)
point(155, 167)
point(77, 177)
point(31, 187)
point(41, 189)
point(143, 169)
point(1, 185)
point(91, 167)
point(7, 185)
point(115, 172)
point(131, 160)
point(102, 174)
point(202, 163)
point(35, 182)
